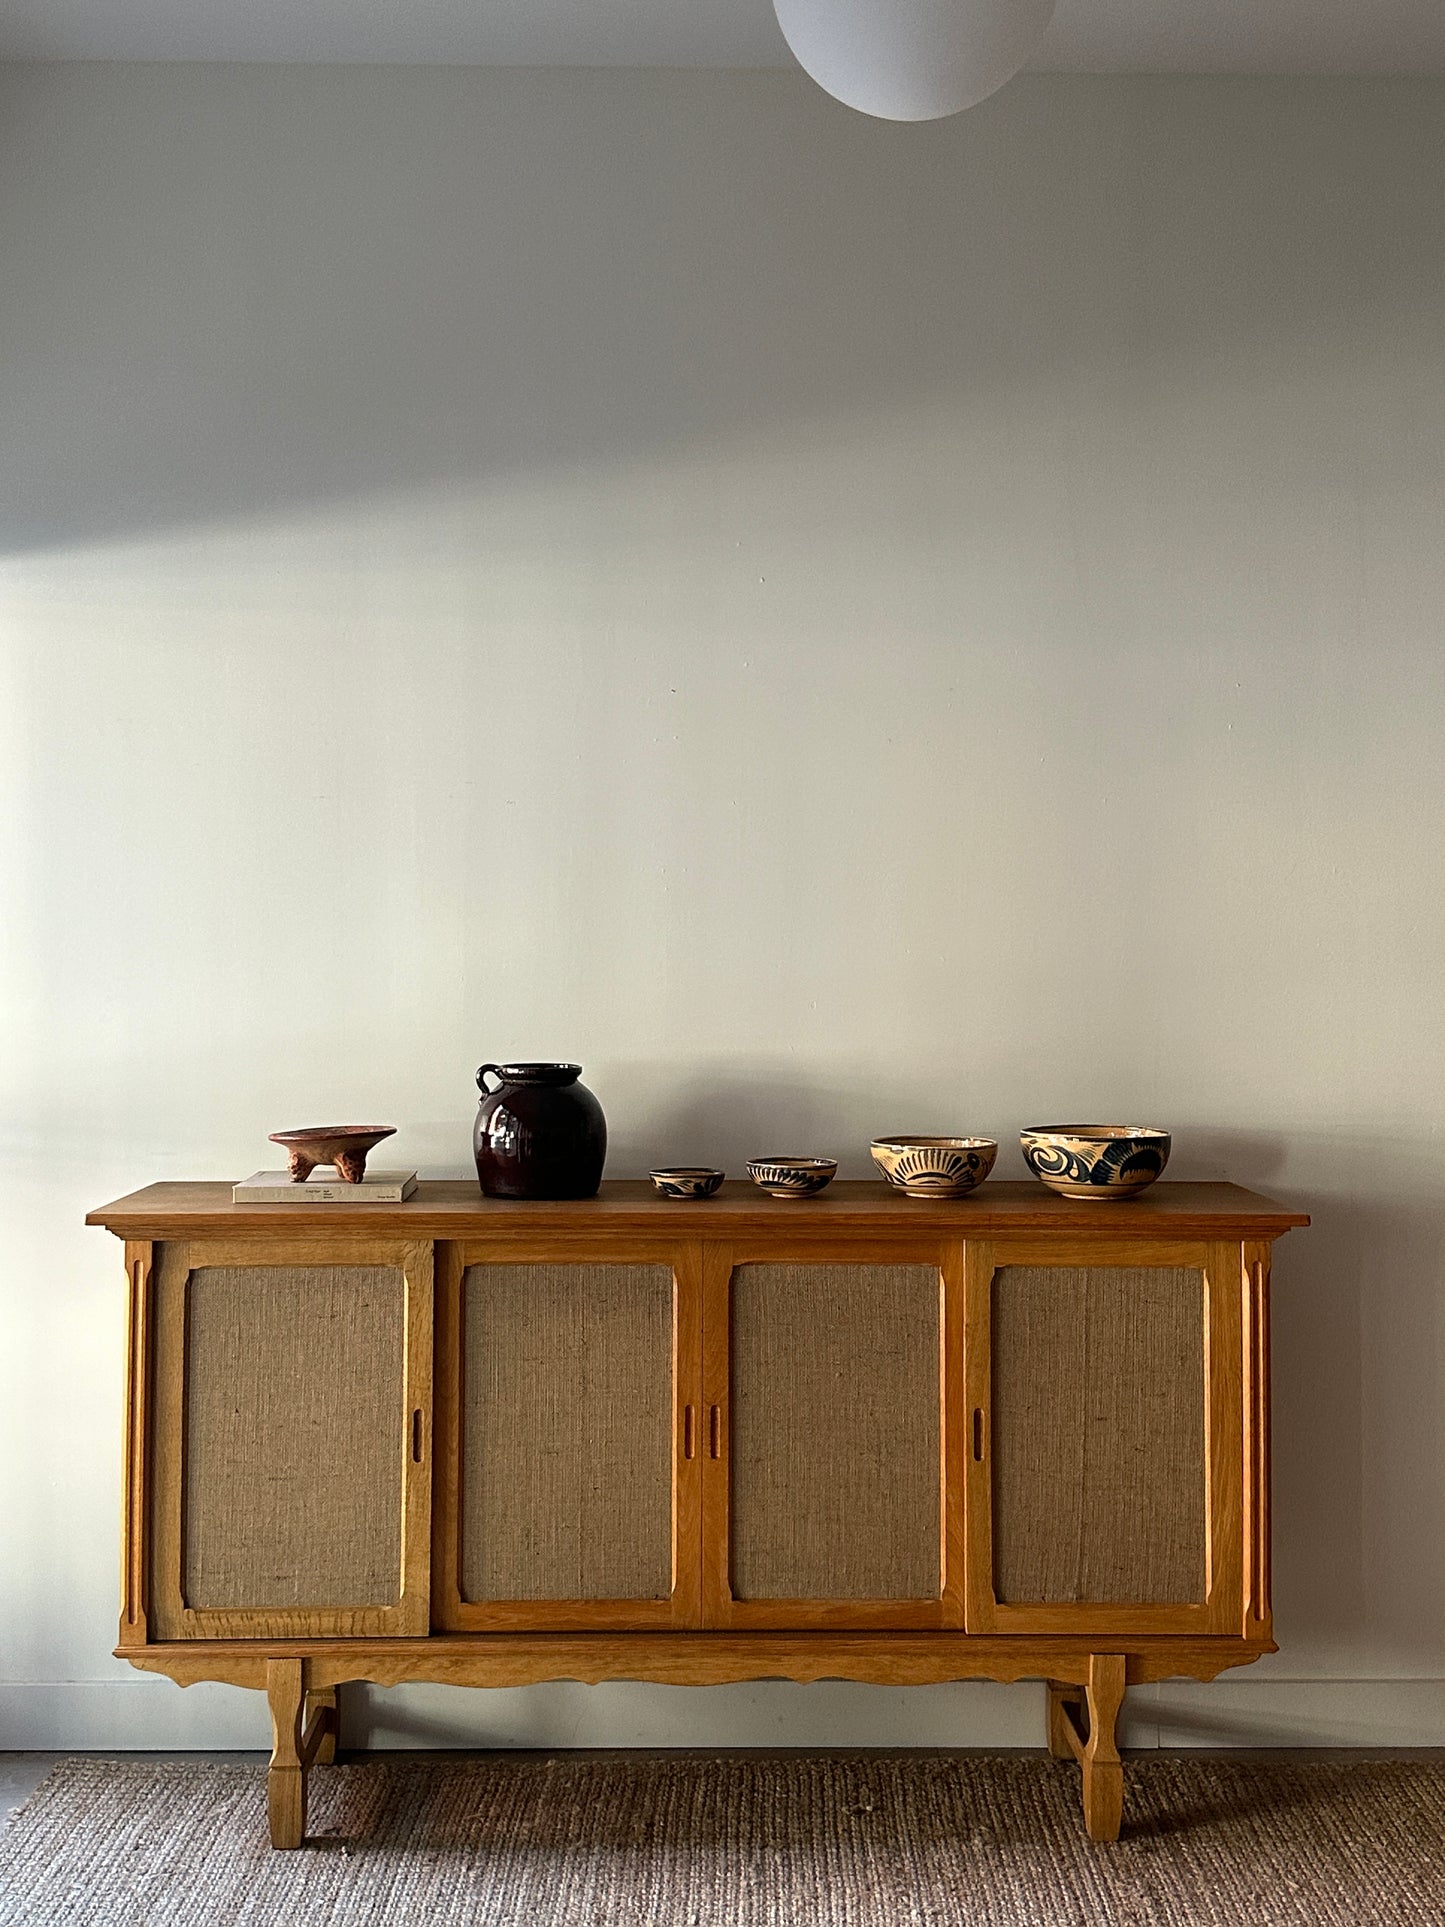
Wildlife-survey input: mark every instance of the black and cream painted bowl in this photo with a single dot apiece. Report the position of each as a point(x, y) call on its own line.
point(690, 1181)
point(934, 1167)
point(792, 1177)
point(1096, 1160)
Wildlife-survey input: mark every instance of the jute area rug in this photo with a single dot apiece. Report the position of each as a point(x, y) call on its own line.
point(750, 1842)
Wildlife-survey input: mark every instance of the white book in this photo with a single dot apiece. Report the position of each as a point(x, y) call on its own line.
point(324, 1186)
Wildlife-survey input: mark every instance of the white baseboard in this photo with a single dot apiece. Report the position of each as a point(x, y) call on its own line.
point(1234, 1711)
point(144, 1713)
point(760, 1713)
point(141, 1713)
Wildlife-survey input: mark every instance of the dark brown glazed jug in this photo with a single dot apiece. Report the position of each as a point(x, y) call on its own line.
point(539, 1134)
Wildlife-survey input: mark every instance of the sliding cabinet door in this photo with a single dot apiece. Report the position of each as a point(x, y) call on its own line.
point(827, 1416)
point(568, 1492)
point(1105, 1457)
point(290, 1457)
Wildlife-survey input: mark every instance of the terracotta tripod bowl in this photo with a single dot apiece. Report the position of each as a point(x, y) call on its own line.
point(347, 1146)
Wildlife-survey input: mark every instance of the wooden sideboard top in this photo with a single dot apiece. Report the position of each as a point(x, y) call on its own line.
point(454, 1208)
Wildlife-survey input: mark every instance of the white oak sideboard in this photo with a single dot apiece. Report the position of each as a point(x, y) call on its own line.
point(860, 1436)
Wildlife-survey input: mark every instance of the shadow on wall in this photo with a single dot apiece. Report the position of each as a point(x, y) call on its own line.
point(754, 1713)
point(1359, 1515)
point(717, 1121)
point(1358, 1431)
point(1354, 1332)
point(239, 291)
point(724, 1121)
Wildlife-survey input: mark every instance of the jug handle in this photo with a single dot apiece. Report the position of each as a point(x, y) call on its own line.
point(496, 1069)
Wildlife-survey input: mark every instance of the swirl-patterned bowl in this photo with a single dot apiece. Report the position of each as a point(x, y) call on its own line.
point(934, 1167)
point(792, 1177)
point(1096, 1160)
point(691, 1181)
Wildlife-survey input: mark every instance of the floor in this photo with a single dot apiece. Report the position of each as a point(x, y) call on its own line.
point(745, 1837)
point(21, 1773)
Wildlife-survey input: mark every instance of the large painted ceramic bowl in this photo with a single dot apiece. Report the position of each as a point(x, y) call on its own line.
point(934, 1167)
point(1096, 1160)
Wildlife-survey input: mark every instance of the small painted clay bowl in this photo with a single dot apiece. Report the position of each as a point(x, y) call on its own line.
point(687, 1181)
point(347, 1146)
point(792, 1177)
point(1096, 1160)
point(934, 1167)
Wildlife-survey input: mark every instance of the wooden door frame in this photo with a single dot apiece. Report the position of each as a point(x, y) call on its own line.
point(723, 1256)
point(682, 1609)
point(1223, 1608)
point(170, 1617)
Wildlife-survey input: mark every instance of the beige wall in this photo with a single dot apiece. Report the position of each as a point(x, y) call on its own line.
point(839, 627)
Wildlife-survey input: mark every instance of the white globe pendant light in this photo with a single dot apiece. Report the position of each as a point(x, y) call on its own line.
point(912, 59)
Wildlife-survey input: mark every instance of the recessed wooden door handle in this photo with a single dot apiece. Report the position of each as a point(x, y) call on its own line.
point(714, 1431)
point(689, 1430)
point(978, 1434)
point(416, 1437)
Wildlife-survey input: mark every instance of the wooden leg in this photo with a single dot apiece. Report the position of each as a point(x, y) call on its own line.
point(286, 1781)
point(1065, 1702)
point(303, 1729)
point(322, 1718)
point(1103, 1770)
point(1095, 1750)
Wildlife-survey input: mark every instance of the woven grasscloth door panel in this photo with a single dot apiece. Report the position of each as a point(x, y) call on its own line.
point(568, 1495)
point(827, 1507)
point(1106, 1461)
point(293, 1423)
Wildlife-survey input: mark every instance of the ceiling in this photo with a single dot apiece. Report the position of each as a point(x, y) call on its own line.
point(1088, 36)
